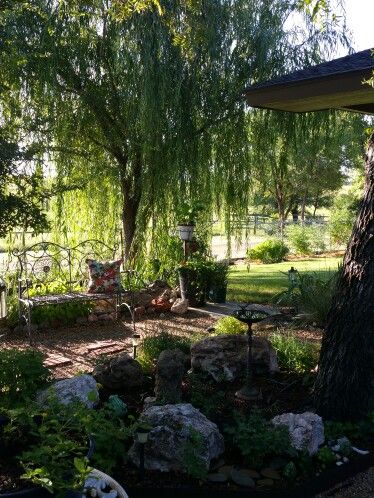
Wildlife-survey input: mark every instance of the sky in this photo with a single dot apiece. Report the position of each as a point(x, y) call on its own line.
point(360, 15)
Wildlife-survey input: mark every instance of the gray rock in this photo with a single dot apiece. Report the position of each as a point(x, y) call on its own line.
point(224, 357)
point(170, 434)
point(306, 430)
point(81, 388)
point(81, 320)
point(242, 478)
point(169, 374)
point(265, 482)
point(180, 306)
point(217, 477)
point(270, 473)
point(119, 372)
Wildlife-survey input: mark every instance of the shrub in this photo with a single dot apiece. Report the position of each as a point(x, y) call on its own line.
point(64, 314)
point(153, 345)
point(269, 251)
point(257, 439)
point(312, 295)
point(306, 240)
point(192, 449)
point(294, 355)
point(22, 373)
point(298, 237)
point(230, 325)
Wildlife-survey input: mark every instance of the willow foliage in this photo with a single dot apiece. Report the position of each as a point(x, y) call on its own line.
point(141, 103)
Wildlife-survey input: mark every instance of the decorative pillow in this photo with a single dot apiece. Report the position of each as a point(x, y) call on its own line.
point(104, 277)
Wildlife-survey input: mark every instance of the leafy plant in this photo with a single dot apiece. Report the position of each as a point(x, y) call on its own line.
point(57, 457)
point(326, 457)
point(196, 272)
point(193, 462)
point(353, 431)
point(230, 325)
point(205, 396)
point(218, 273)
point(294, 355)
point(153, 344)
point(269, 251)
point(188, 212)
point(22, 373)
point(257, 439)
point(63, 314)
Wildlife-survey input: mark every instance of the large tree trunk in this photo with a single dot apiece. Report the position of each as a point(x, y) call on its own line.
point(344, 388)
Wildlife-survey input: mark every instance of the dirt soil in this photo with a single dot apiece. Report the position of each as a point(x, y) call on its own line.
point(74, 349)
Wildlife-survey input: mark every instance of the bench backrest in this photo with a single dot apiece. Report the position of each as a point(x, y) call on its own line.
point(49, 263)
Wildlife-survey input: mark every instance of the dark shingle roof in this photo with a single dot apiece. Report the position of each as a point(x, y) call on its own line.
point(355, 62)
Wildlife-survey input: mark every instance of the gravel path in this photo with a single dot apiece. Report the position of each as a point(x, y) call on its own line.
point(360, 486)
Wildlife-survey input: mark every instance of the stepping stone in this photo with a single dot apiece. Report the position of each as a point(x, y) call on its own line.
point(56, 360)
point(217, 464)
point(278, 463)
point(252, 473)
point(101, 345)
point(226, 469)
point(217, 477)
point(242, 478)
point(270, 473)
point(265, 482)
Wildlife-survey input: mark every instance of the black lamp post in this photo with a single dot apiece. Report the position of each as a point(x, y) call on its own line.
point(249, 392)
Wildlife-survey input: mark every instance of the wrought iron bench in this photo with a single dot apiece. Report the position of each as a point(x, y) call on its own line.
point(59, 274)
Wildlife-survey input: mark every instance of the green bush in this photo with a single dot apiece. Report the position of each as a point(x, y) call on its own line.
point(306, 239)
point(56, 459)
point(342, 216)
point(152, 346)
point(230, 325)
point(22, 373)
point(61, 314)
point(257, 439)
point(269, 251)
point(294, 355)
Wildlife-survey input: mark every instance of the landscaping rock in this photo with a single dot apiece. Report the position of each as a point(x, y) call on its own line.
point(139, 311)
point(306, 430)
point(180, 306)
point(119, 372)
point(217, 477)
point(265, 482)
point(81, 320)
point(169, 374)
point(224, 357)
point(225, 469)
point(242, 478)
point(81, 388)
point(92, 317)
point(171, 432)
point(270, 473)
point(252, 473)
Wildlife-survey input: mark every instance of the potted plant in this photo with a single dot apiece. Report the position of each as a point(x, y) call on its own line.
point(194, 277)
point(218, 281)
point(187, 215)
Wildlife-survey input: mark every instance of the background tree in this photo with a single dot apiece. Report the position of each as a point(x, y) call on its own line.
point(144, 103)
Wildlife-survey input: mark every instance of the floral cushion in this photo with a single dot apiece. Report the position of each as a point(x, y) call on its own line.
point(104, 277)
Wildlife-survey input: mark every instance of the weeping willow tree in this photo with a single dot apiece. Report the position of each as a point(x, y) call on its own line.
point(141, 102)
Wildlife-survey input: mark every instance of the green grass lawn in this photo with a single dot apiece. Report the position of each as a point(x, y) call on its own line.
point(262, 282)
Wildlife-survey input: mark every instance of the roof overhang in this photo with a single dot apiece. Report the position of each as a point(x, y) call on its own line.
point(319, 87)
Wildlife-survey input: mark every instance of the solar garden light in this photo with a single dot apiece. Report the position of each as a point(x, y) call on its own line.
point(292, 276)
point(3, 309)
point(135, 344)
point(141, 435)
point(249, 392)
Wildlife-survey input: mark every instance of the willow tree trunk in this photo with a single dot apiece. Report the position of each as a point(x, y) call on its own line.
point(344, 387)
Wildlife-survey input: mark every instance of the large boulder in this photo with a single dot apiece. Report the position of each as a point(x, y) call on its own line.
point(119, 372)
point(172, 426)
point(306, 430)
point(80, 388)
point(169, 373)
point(224, 357)
point(180, 306)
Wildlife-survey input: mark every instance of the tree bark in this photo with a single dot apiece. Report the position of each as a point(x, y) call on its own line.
point(344, 387)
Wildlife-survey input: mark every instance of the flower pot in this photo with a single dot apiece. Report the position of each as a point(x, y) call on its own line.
point(185, 231)
point(217, 293)
point(190, 288)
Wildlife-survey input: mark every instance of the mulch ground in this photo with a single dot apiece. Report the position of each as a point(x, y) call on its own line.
point(75, 349)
